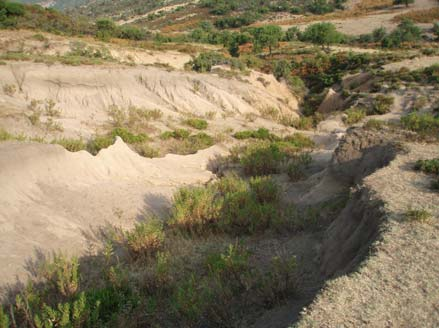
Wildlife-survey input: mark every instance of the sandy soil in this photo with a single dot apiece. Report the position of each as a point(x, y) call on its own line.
point(83, 94)
point(53, 199)
point(24, 42)
point(165, 9)
point(413, 64)
point(366, 24)
point(397, 286)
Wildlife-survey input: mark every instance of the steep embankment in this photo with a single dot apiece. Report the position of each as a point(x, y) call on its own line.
point(53, 200)
point(84, 94)
point(396, 286)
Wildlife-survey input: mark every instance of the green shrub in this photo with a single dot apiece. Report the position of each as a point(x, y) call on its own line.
point(194, 208)
point(146, 150)
point(428, 166)
point(406, 31)
point(297, 165)
point(373, 124)
point(4, 135)
point(200, 141)
point(322, 34)
point(299, 141)
point(129, 137)
point(382, 104)
point(230, 205)
point(62, 274)
point(197, 123)
point(280, 281)
point(303, 123)
point(146, 239)
point(179, 134)
point(424, 124)
point(265, 189)
point(241, 213)
point(205, 61)
point(98, 143)
point(72, 145)
point(261, 134)
point(4, 318)
point(262, 159)
point(354, 115)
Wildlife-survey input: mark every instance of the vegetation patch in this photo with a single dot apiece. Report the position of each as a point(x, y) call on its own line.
point(425, 124)
point(354, 115)
point(430, 166)
point(420, 16)
point(156, 276)
point(271, 157)
point(197, 123)
point(418, 215)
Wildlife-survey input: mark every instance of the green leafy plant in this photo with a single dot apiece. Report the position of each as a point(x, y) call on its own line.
point(146, 239)
point(197, 123)
point(354, 115)
point(382, 104)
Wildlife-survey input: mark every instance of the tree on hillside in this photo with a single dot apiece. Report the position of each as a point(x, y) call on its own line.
point(106, 29)
point(406, 31)
point(400, 2)
point(266, 36)
point(322, 34)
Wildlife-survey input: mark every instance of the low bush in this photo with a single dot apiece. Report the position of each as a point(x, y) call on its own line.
point(262, 159)
point(231, 205)
point(428, 166)
point(195, 208)
point(72, 145)
point(373, 124)
point(197, 123)
point(261, 134)
point(406, 31)
point(354, 115)
point(297, 165)
point(303, 123)
point(146, 150)
point(179, 134)
point(128, 137)
point(146, 239)
point(382, 104)
point(269, 157)
point(99, 142)
point(424, 124)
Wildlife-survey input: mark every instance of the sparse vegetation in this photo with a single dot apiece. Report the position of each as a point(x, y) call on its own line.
point(430, 166)
point(72, 145)
point(354, 115)
point(9, 89)
point(417, 215)
point(382, 104)
point(197, 123)
point(265, 158)
point(425, 124)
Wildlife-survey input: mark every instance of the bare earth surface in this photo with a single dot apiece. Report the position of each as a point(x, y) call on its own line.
point(371, 21)
point(52, 199)
point(84, 94)
point(398, 285)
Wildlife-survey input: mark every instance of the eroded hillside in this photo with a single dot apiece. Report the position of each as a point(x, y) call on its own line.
point(146, 160)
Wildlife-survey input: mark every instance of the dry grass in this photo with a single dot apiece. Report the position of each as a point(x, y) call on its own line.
point(420, 16)
point(361, 9)
point(374, 4)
